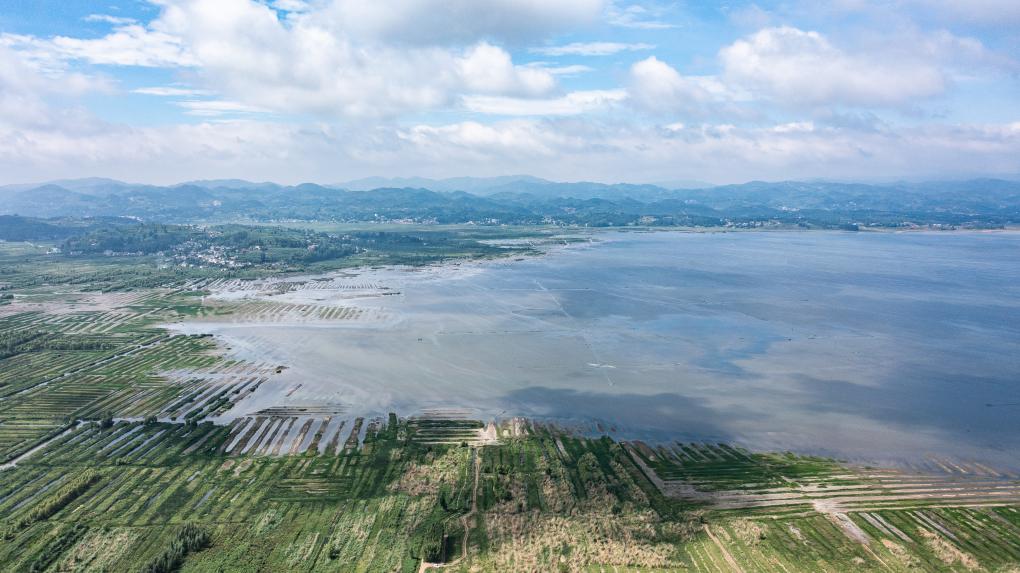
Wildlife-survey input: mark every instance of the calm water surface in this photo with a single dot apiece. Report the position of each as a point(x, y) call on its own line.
point(877, 347)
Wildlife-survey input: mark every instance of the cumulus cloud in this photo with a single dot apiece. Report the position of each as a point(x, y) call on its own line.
point(488, 69)
point(801, 67)
point(657, 87)
point(25, 89)
point(20, 88)
point(271, 86)
point(445, 22)
point(336, 58)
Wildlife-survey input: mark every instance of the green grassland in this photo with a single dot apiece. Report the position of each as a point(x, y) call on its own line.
point(111, 463)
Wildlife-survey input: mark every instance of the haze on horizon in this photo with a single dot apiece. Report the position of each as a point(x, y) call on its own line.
point(164, 91)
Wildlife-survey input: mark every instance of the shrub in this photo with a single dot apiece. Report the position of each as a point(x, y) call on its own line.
point(188, 539)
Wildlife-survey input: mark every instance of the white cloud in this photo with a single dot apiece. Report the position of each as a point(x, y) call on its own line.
point(371, 59)
point(20, 91)
point(573, 103)
point(572, 148)
point(476, 142)
point(565, 148)
point(169, 91)
point(794, 127)
point(488, 69)
point(338, 58)
point(570, 70)
point(387, 62)
point(213, 108)
point(637, 16)
point(91, 147)
point(115, 20)
point(446, 22)
point(987, 12)
point(127, 45)
point(591, 49)
point(795, 67)
point(318, 63)
point(722, 152)
point(657, 87)
point(291, 5)
point(958, 56)
point(25, 89)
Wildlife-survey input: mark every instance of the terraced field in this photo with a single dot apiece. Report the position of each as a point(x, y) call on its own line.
point(788, 513)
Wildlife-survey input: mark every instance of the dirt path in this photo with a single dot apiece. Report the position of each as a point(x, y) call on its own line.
point(465, 520)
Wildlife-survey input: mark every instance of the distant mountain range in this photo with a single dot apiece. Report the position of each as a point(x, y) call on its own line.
point(529, 200)
point(474, 185)
point(520, 184)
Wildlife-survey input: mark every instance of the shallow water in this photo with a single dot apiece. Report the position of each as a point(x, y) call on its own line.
point(869, 346)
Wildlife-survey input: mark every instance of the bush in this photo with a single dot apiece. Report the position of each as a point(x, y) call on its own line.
point(55, 548)
point(65, 495)
point(188, 539)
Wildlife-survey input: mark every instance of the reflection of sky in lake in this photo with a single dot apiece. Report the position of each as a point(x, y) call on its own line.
point(874, 346)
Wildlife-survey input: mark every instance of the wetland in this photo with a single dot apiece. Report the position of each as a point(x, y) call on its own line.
point(878, 347)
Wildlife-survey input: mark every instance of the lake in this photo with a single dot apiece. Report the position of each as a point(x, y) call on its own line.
point(880, 347)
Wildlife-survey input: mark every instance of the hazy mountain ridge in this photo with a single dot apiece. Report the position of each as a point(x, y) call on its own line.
point(474, 185)
point(529, 200)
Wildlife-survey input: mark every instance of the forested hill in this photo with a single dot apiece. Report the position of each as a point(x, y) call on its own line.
point(975, 203)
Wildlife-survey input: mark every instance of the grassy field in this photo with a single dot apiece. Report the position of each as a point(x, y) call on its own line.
point(111, 462)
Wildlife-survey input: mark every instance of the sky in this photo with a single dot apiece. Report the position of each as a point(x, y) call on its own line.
point(162, 91)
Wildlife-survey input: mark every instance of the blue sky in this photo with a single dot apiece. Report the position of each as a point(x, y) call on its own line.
point(610, 90)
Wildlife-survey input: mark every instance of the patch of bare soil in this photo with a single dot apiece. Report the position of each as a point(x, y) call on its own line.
point(901, 554)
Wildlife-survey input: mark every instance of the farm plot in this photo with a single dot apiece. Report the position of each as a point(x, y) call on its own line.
point(386, 494)
point(84, 355)
point(789, 513)
point(736, 480)
point(274, 312)
point(316, 511)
